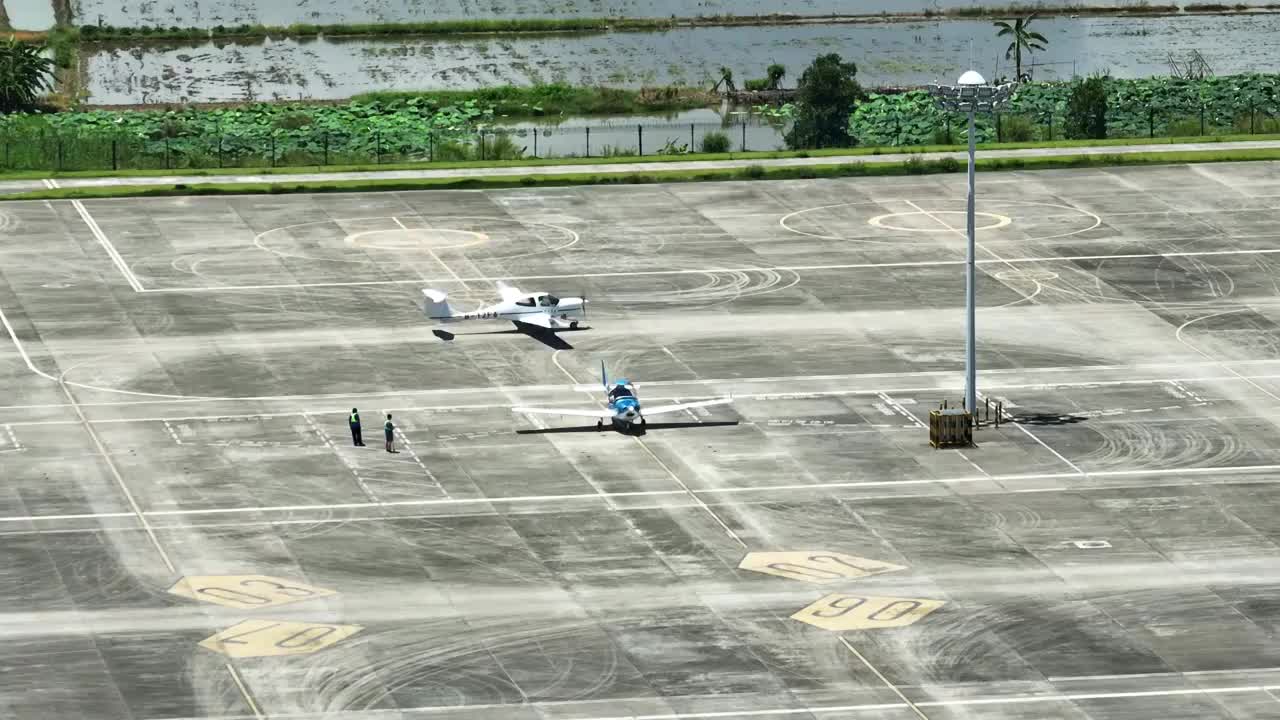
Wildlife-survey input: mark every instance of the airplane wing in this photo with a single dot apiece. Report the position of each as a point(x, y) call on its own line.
point(647, 411)
point(542, 327)
point(509, 293)
point(603, 414)
point(541, 320)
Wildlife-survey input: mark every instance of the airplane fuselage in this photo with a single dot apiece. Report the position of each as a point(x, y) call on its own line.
point(568, 313)
point(626, 410)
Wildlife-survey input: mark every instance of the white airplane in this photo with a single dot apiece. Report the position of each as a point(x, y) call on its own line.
point(623, 408)
point(537, 314)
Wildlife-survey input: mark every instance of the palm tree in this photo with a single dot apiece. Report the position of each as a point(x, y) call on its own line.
point(1023, 38)
point(24, 73)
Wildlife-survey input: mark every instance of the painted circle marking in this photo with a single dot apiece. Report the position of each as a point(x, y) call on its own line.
point(786, 219)
point(260, 241)
point(882, 221)
point(1029, 275)
point(416, 239)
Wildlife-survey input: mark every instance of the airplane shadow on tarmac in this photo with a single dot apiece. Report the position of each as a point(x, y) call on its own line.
point(546, 337)
point(635, 430)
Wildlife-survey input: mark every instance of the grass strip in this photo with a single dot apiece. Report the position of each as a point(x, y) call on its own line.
point(656, 160)
point(913, 166)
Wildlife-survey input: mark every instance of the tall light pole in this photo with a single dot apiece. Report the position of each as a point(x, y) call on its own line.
point(971, 95)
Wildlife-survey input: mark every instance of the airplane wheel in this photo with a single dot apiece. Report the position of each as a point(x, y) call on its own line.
point(599, 425)
point(573, 325)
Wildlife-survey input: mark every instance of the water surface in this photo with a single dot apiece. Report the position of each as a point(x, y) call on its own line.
point(30, 14)
point(886, 54)
point(208, 13)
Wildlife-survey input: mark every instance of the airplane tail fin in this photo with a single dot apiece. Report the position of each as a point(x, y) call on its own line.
point(437, 306)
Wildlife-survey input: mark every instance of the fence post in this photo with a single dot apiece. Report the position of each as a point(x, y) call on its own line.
point(7, 162)
point(273, 151)
point(692, 144)
point(115, 155)
point(946, 119)
point(377, 146)
point(220, 152)
point(481, 144)
point(588, 142)
point(744, 136)
point(431, 147)
point(1253, 116)
point(168, 159)
point(1202, 118)
point(1050, 127)
point(999, 134)
point(1151, 122)
point(535, 142)
point(326, 147)
point(640, 139)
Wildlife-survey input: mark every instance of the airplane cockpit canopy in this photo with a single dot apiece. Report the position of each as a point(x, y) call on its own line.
point(548, 300)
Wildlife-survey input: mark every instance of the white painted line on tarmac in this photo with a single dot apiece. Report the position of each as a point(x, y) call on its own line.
point(948, 376)
point(1045, 445)
point(873, 707)
point(905, 700)
point(1134, 676)
point(524, 499)
point(115, 256)
point(712, 270)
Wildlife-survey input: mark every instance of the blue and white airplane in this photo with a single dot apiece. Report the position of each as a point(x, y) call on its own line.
point(623, 408)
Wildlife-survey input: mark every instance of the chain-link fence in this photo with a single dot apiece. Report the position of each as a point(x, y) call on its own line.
point(66, 153)
point(1010, 127)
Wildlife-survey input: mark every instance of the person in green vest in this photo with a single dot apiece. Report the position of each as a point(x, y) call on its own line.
point(390, 430)
point(354, 422)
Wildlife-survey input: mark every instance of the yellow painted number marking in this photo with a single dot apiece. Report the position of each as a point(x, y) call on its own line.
point(246, 591)
point(841, 612)
point(265, 638)
point(815, 566)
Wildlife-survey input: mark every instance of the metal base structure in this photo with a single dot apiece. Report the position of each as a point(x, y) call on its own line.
point(950, 428)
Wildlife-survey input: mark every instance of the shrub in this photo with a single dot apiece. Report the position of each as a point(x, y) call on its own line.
point(24, 74)
point(752, 172)
point(1087, 109)
point(949, 165)
point(1017, 128)
point(775, 73)
point(502, 147)
point(1184, 127)
point(293, 121)
point(715, 142)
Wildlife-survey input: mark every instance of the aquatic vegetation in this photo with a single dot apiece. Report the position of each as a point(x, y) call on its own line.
point(1149, 107)
point(269, 133)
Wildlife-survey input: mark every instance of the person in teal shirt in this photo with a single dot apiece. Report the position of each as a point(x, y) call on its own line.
point(390, 430)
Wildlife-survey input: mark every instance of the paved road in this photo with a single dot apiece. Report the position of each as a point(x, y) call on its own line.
point(618, 168)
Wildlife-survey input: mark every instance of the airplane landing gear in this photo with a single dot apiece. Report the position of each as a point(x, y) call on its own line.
point(599, 425)
point(573, 325)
